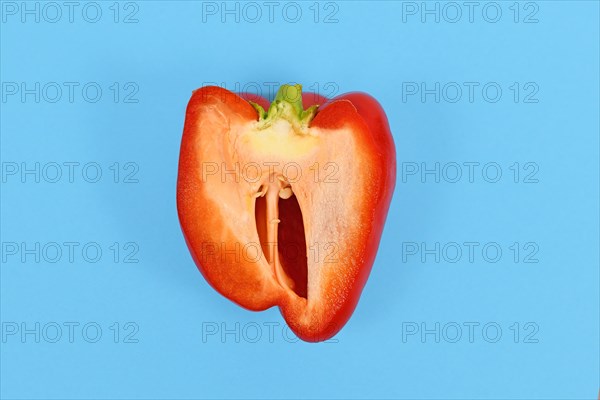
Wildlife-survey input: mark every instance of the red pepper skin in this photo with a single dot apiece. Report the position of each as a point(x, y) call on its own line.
point(243, 282)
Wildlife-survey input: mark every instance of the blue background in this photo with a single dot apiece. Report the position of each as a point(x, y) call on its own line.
point(169, 52)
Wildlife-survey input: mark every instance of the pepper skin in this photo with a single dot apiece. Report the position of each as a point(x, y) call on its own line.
point(265, 234)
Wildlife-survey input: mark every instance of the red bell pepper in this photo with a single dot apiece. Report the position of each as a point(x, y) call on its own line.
point(286, 206)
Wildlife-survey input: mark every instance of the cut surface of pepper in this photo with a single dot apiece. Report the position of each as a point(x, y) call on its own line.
point(284, 204)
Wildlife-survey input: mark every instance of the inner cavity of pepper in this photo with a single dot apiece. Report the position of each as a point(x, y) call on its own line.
point(281, 233)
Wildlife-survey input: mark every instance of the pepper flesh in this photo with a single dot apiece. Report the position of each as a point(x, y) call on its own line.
point(304, 241)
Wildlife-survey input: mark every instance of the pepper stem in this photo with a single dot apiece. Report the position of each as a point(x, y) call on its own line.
point(287, 105)
point(292, 95)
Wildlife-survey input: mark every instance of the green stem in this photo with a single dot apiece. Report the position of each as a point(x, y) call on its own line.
point(287, 105)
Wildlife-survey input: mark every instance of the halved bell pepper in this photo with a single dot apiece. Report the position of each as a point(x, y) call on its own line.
point(284, 204)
